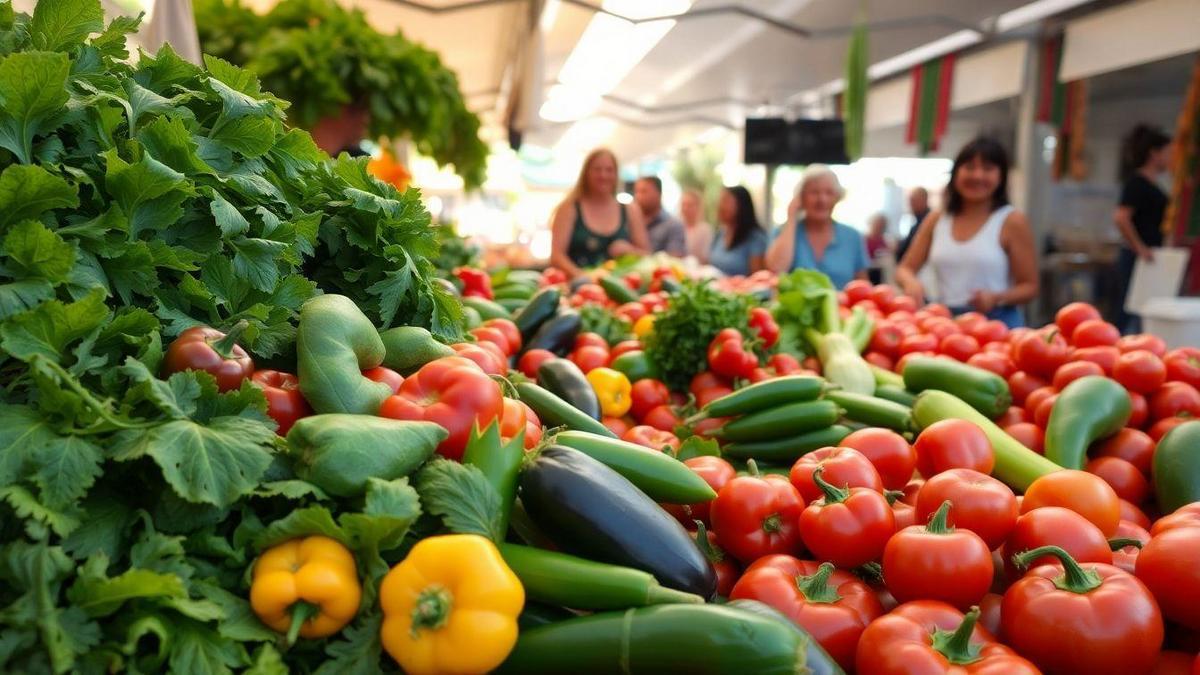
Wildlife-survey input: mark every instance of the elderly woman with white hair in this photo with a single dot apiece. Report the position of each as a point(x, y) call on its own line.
point(813, 240)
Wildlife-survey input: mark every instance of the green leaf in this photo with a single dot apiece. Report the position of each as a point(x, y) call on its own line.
point(239, 623)
point(301, 523)
point(176, 396)
point(296, 153)
point(34, 251)
point(168, 140)
point(18, 296)
point(267, 661)
point(138, 183)
point(33, 97)
point(391, 508)
point(696, 446)
point(62, 522)
point(292, 291)
point(99, 595)
point(30, 191)
point(462, 497)
point(65, 468)
point(359, 652)
point(257, 260)
point(213, 464)
point(251, 136)
point(293, 488)
point(22, 433)
point(62, 25)
point(53, 325)
point(228, 218)
point(107, 519)
point(199, 650)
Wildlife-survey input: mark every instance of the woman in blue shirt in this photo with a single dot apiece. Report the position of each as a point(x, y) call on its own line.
point(739, 247)
point(815, 241)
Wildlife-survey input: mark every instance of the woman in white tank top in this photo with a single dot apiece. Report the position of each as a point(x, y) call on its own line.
point(979, 247)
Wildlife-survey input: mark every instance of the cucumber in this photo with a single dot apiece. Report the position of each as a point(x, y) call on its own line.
point(471, 318)
point(873, 411)
point(662, 477)
point(617, 291)
point(789, 449)
point(486, 308)
point(555, 412)
point(513, 292)
point(898, 394)
point(981, 389)
point(410, 347)
point(780, 422)
point(766, 394)
point(511, 305)
point(539, 309)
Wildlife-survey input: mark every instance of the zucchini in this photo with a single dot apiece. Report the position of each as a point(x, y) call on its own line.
point(617, 291)
point(766, 394)
point(662, 477)
point(780, 422)
point(556, 334)
point(981, 389)
point(873, 411)
point(511, 305)
point(555, 412)
point(471, 318)
point(510, 291)
point(486, 308)
point(899, 395)
point(592, 511)
point(542, 306)
point(817, 660)
point(789, 449)
point(564, 379)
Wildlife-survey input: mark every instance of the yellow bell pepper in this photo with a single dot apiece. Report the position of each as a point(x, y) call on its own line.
point(613, 389)
point(643, 326)
point(305, 586)
point(450, 607)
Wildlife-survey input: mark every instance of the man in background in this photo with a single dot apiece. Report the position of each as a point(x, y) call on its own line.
point(666, 232)
point(918, 203)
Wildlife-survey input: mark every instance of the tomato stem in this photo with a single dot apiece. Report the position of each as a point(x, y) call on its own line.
point(893, 496)
point(432, 609)
point(713, 553)
point(956, 645)
point(938, 523)
point(833, 493)
point(1118, 543)
point(1074, 578)
point(224, 346)
point(752, 467)
point(301, 612)
point(816, 588)
point(772, 523)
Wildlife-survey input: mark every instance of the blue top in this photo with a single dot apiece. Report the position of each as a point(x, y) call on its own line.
point(736, 260)
point(845, 256)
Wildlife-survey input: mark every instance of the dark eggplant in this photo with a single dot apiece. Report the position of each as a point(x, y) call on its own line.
point(590, 510)
point(565, 380)
point(540, 309)
point(557, 334)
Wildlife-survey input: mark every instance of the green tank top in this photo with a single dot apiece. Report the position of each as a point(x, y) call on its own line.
point(588, 249)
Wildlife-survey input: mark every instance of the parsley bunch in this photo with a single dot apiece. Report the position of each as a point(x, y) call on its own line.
point(678, 345)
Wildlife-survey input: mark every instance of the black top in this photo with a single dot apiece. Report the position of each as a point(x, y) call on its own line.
point(912, 234)
point(1148, 203)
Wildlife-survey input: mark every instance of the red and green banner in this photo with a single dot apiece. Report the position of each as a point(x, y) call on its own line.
point(1064, 106)
point(1183, 214)
point(1052, 94)
point(929, 108)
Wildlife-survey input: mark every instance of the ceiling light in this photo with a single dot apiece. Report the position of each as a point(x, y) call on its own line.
point(1034, 11)
point(549, 15)
point(566, 103)
point(585, 135)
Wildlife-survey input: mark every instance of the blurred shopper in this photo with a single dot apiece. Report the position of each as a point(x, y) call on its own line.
point(812, 239)
point(665, 231)
point(878, 246)
point(699, 232)
point(1139, 214)
point(590, 225)
point(980, 248)
point(918, 203)
point(739, 246)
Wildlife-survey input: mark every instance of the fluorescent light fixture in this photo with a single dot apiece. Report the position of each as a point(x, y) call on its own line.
point(565, 103)
point(585, 135)
point(549, 15)
point(1033, 12)
point(930, 50)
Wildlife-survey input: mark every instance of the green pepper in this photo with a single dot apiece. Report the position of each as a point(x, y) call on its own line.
point(662, 477)
point(1087, 410)
point(1177, 467)
point(410, 347)
point(766, 394)
point(335, 342)
point(500, 463)
point(635, 365)
point(553, 411)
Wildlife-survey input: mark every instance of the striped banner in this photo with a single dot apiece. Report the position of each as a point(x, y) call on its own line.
point(929, 107)
point(1052, 94)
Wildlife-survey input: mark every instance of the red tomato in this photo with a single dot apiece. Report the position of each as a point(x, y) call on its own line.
point(979, 503)
point(1069, 372)
point(1000, 348)
point(494, 336)
point(1021, 384)
point(958, 346)
point(617, 425)
point(892, 456)
point(831, 605)
point(592, 293)
point(1183, 365)
point(662, 417)
point(1175, 399)
point(999, 364)
point(707, 426)
point(1072, 314)
point(1187, 515)
point(902, 303)
point(812, 364)
point(485, 355)
point(784, 364)
point(904, 513)
point(879, 360)
point(725, 566)
point(653, 302)
point(1041, 352)
point(1140, 371)
point(590, 357)
point(940, 327)
point(1123, 477)
point(1139, 410)
point(518, 417)
point(920, 342)
point(1105, 357)
point(510, 331)
point(711, 394)
point(705, 380)
point(531, 360)
point(953, 444)
point(936, 562)
point(716, 472)
point(453, 392)
point(1056, 526)
point(857, 290)
point(1171, 662)
point(760, 375)
point(646, 395)
point(285, 403)
point(988, 332)
point(846, 526)
point(938, 309)
point(1164, 425)
point(623, 347)
point(590, 340)
point(843, 467)
point(754, 516)
point(1112, 628)
point(1126, 556)
point(867, 305)
point(1014, 415)
point(967, 320)
point(1041, 416)
point(1088, 495)
point(1150, 343)
point(385, 375)
point(649, 437)
point(631, 311)
point(1017, 334)
point(1095, 333)
point(1035, 398)
point(882, 295)
point(1029, 435)
point(1133, 514)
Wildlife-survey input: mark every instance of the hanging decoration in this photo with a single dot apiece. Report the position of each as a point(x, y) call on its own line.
point(1064, 106)
point(1182, 220)
point(929, 108)
point(853, 101)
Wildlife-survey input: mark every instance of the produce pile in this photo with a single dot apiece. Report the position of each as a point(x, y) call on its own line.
point(252, 418)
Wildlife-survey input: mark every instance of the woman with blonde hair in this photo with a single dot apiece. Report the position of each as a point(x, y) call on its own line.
point(813, 240)
point(590, 225)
